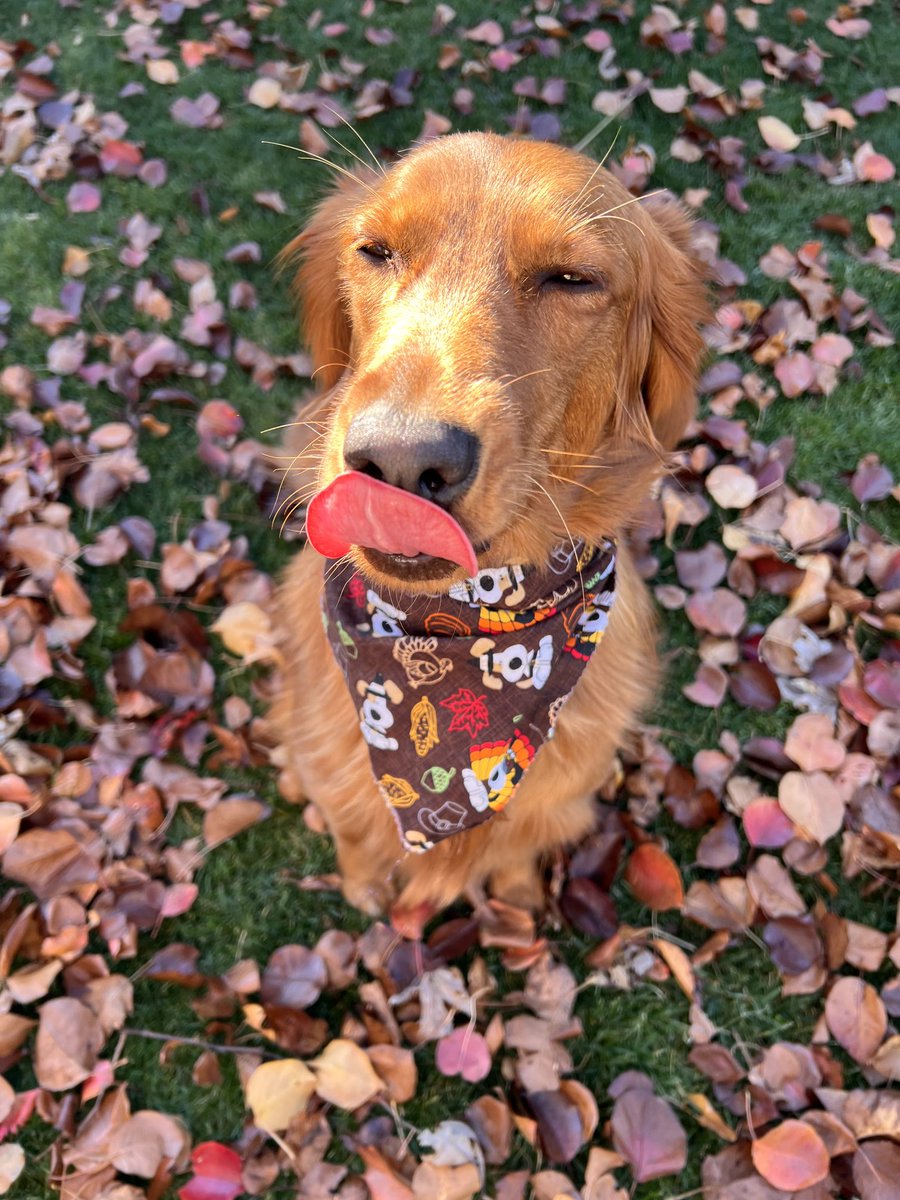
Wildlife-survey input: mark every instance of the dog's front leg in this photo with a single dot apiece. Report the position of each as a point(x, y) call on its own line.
point(318, 724)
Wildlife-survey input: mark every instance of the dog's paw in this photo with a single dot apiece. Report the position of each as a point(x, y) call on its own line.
point(520, 886)
point(371, 896)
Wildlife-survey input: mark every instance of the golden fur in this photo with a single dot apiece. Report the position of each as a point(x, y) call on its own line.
point(575, 394)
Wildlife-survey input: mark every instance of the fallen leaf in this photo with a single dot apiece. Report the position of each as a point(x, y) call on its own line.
point(12, 1164)
point(68, 1041)
point(776, 134)
point(791, 1156)
point(463, 1052)
point(654, 878)
point(856, 1017)
point(648, 1135)
point(277, 1092)
point(217, 1174)
point(812, 801)
point(345, 1075)
point(731, 487)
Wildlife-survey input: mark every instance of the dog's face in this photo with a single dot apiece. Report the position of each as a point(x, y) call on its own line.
point(505, 332)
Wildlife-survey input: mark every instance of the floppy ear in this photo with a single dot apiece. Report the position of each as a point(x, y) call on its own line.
point(324, 318)
point(674, 309)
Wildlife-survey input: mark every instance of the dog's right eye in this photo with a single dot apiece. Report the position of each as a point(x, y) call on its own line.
point(376, 251)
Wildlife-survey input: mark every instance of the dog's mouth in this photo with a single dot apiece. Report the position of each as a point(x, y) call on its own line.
point(417, 568)
point(396, 532)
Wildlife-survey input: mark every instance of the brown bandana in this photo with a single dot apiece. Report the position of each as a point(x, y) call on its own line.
point(458, 692)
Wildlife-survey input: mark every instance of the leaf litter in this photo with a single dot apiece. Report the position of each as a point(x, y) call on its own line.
point(86, 832)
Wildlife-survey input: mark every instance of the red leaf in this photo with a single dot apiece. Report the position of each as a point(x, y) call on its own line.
point(766, 825)
point(469, 712)
point(217, 1174)
point(120, 158)
point(654, 878)
point(791, 1156)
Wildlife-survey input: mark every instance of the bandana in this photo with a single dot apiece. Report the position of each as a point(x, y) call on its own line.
point(457, 692)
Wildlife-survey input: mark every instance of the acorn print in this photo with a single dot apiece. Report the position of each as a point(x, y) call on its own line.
point(423, 729)
point(400, 792)
point(437, 779)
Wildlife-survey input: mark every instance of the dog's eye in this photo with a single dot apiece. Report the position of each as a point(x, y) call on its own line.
point(376, 251)
point(573, 281)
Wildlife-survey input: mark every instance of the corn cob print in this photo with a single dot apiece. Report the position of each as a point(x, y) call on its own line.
point(423, 730)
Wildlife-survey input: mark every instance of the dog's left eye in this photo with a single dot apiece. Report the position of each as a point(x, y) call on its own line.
point(376, 251)
point(575, 281)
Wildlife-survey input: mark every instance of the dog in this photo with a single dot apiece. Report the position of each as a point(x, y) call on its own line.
point(499, 326)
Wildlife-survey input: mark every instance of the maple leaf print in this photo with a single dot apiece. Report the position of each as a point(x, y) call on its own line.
point(469, 712)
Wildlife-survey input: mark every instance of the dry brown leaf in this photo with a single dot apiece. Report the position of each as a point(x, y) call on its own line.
point(232, 816)
point(856, 1017)
point(69, 1038)
point(813, 802)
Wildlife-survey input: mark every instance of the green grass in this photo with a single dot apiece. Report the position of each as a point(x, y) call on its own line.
point(248, 905)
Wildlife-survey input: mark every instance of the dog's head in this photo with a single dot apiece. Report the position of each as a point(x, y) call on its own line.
point(501, 329)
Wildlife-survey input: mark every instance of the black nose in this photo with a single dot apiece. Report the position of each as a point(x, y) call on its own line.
point(420, 455)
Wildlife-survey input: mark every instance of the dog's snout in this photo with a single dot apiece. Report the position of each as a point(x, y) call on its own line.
point(426, 457)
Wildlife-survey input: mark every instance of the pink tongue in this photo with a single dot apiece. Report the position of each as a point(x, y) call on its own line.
point(356, 510)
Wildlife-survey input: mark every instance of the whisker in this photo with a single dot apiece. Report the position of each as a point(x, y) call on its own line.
point(599, 164)
point(325, 366)
point(346, 149)
point(538, 484)
point(293, 425)
point(527, 375)
point(340, 116)
point(307, 154)
point(574, 454)
point(574, 482)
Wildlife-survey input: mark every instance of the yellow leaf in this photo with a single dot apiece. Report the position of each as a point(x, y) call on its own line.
point(777, 135)
point(278, 1091)
point(162, 70)
point(264, 93)
point(709, 1118)
point(76, 262)
point(247, 631)
point(344, 1075)
point(679, 964)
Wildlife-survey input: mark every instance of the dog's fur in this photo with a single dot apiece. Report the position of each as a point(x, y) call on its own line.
point(575, 393)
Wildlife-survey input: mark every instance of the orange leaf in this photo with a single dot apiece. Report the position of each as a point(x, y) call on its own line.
point(654, 878)
point(791, 1157)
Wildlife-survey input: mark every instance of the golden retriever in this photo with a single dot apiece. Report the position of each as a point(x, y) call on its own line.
point(512, 290)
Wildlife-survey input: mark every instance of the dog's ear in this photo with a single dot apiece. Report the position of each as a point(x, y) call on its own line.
point(316, 253)
point(362, 687)
point(481, 646)
point(668, 320)
point(393, 692)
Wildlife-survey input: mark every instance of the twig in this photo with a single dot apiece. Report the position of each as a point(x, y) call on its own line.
point(198, 1042)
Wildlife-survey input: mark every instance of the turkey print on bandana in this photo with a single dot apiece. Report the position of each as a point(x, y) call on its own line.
point(456, 693)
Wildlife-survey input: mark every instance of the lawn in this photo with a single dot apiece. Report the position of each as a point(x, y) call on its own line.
point(250, 901)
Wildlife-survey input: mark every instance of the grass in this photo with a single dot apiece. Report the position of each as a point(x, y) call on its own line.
point(248, 905)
